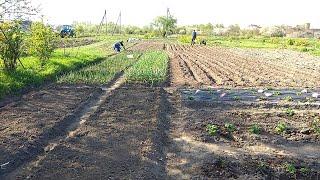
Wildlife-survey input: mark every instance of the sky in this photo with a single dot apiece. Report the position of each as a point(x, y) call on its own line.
point(143, 12)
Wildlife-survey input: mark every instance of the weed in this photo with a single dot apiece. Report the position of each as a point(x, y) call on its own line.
point(288, 98)
point(290, 168)
point(305, 170)
point(277, 93)
point(236, 98)
point(255, 129)
point(191, 98)
point(290, 112)
point(315, 125)
point(310, 100)
point(230, 127)
point(212, 129)
point(281, 128)
point(299, 93)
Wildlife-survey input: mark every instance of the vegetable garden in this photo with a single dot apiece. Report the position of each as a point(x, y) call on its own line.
point(161, 110)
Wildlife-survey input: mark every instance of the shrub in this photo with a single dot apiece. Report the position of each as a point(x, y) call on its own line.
point(212, 129)
point(41, 41)
point(11, 43)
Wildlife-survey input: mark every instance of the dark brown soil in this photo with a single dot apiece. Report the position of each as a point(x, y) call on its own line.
point(28, 124)
point(142, 132)
point(75, 42)
point(124, 139)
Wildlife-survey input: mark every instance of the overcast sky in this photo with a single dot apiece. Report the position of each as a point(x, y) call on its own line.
point(142, 12)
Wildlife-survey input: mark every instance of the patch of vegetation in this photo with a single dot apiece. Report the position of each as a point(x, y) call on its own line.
point(277, 93)
point(33, 74)
point(212, 129)
point(152, 69)
point(236, 98)
point(255, 129)
point(281, 128)
point(230, 127)
point(290, 168)
point(290, 112)
point(315, 125)
point(191, 98)
point(101, 73)
point(288, 98)
point(305, 170)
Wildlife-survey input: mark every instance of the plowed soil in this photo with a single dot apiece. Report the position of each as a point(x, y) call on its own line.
point(223, 67)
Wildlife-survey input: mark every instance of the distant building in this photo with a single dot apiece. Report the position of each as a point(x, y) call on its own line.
point(302, 31)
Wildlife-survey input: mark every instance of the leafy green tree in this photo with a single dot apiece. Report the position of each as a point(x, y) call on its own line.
point(41, 41)
point(165, 24)
point(11, 43)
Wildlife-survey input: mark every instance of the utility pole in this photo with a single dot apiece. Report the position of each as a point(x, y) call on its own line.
point(105, 12)
point(120, 22)
point(167, 25)
point(115, 26)
point(104, 19)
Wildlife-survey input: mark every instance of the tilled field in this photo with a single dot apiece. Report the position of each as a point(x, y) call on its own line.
point(30, 123)
point(128, 131)
point(201, 65)
point(194, 154)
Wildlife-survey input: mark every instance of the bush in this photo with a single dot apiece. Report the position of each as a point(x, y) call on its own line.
point(41, 41)
point(11, 42)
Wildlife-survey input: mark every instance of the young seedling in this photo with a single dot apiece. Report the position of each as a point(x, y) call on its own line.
point(212, 129)
point(288, 98)
point(236, 98)
point(281, 128)
point(277, 93)
point(290, 112)
point(305, 170)
point(315, 125)
point(255, 129)
point(290, 168)
point(230, 127)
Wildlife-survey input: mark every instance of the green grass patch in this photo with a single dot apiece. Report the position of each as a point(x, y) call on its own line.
point(62, 60)
point(100, 73)
point(310, 45)
point(152, 69)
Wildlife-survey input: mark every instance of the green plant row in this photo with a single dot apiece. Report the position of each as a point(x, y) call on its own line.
point(152, 69)
point(100, 73)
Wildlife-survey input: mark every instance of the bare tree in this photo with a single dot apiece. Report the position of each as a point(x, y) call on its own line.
point(16, 9)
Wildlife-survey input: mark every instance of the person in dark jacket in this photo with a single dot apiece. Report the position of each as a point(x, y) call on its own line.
point(118, 46)
point(194, 37)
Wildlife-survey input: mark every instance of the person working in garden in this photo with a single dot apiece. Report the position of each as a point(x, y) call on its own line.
point(118, 46)
point(194, 37)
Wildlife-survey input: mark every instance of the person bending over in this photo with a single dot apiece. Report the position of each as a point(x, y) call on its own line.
point(118, 46)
